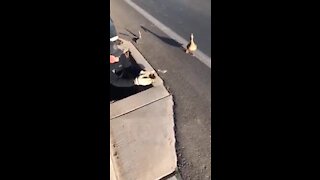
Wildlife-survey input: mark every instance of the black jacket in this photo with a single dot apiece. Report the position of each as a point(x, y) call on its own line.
point(123, 73)
point(113, 31)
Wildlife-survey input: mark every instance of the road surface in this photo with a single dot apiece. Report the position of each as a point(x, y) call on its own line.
point(184, 17)
point(188, 79)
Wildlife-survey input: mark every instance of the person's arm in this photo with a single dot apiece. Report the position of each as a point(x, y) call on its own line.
point(124, 61)
point(130, 66)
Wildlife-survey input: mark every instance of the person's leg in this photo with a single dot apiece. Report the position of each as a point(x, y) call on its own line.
point(115, 93)
point(135, 69)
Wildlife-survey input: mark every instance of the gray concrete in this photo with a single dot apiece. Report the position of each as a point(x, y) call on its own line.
point(112, 170)
point(143, 142)
point(142, 139)
point(187, 79)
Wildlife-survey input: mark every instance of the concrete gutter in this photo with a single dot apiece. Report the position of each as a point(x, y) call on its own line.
point(142, 140)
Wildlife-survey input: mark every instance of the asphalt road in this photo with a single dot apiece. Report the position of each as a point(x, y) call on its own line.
point(186, 78)
point(184, 17)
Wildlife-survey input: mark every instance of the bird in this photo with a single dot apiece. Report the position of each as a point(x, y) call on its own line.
point(191, 47)
point(140, 35)
point(135, 39)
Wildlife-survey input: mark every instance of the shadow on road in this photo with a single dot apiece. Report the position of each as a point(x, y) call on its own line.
point(133, 34)
point(169, 41)
point(135, 38)
point(124, 34)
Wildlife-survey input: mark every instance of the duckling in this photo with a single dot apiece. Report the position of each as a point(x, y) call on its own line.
point(191, 47)
point(135, 39)
point(140, 36)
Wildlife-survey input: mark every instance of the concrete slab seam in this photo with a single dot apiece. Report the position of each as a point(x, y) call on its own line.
point(140, 107)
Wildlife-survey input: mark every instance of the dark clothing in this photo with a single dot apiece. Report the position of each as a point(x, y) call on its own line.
point(113, 31)
point(113, 41)
point(123, 73)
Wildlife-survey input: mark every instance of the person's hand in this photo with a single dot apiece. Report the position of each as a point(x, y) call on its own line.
point(113, 59)
point(143, 80)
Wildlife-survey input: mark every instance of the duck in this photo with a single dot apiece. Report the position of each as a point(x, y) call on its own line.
point(192, 46)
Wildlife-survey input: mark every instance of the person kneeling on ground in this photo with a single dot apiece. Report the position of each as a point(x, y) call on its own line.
point(124, 74)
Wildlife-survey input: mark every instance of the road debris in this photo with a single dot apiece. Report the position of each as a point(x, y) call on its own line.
point(162, 71)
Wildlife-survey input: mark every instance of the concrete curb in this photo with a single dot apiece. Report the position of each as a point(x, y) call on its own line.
point(142, 131)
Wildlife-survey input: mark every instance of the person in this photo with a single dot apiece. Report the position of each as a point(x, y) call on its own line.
point(122, 72)
point(126, 78)
point(125, 74)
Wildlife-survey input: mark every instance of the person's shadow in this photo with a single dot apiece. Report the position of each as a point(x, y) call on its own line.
point(118, 93)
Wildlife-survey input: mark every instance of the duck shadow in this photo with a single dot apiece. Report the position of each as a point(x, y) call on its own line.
point(166, 40)
point(135, 38)
point(124, 34)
